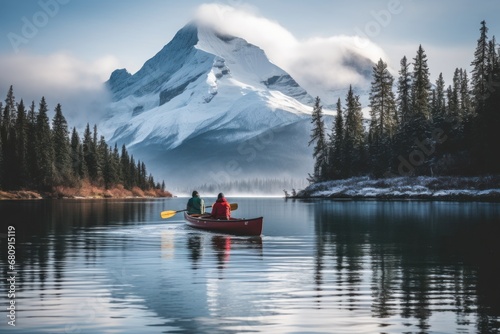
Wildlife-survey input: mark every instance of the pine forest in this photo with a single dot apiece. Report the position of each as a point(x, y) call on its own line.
point(416, 127)
point(39, 155)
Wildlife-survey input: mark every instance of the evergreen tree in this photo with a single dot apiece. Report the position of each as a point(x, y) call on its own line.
point(108, 165)
point(354, 134)
point(439, 101)
point(115, 161)
point(9, 139)
point(480, 73)
point(9, 112)
point(468, 115)
point(133, 172)
point(403, 90)
point(98, 157)
point(90, 157)
point(44, 148)
point(77, 160)
point(415, 129)
point(384, 118)
point(492, 60)
point(336, 160)
point(465, 98)
point(105, 154)
point(21, 144)
point(31, 147)
point(486, 91)
point(421, 86)
point(125, 168)
point(62, 157)
point(319, 138)
point(454, 102)
point(145, 184)
point(488, 123)
point(457, 114)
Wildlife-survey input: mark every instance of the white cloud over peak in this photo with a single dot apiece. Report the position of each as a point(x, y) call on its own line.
point(319, 64)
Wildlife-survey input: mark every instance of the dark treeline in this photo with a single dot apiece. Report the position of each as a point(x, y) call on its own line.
point(38, 154)
point(416, 128)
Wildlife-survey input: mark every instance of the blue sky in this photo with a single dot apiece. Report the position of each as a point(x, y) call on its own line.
point(61, 47)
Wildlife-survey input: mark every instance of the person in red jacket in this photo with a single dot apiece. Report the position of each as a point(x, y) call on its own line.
point(221, 208)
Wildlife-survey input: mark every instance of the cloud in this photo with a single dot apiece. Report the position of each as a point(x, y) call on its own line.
point(319, 64)
point(61, 78)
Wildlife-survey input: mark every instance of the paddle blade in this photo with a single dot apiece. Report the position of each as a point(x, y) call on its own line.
point(168, 214)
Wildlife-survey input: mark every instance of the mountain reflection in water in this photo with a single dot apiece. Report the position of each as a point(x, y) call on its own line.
point(320, 266)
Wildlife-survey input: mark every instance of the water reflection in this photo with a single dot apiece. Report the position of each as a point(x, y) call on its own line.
point(416, 259)
point(221, 246)
point(321, 266)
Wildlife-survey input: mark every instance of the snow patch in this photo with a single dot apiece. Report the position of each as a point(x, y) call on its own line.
point(408, 187)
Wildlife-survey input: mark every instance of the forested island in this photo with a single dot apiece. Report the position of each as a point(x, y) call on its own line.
point(418, 134)
point(41, 159)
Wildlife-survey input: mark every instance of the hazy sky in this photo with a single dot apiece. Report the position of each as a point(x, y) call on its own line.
point(63, 48)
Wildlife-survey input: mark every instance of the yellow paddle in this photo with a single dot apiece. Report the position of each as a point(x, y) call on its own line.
point(171, 213)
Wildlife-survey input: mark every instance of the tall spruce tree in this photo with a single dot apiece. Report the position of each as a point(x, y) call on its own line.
point(21, 144)
point(488, 123)
point(318, 137)
point(62, 157)
point(77, 161)
point(465, 97)
point(415, 128)
point(107, 168)
point(486, 97)
point(115, 161)
point(336, 159)
point(384, 119)
point(31, 147)
point(354, 136)
point(9, 141)
point(439, 100)
point(454, 102)
point(44, 148)
point(421, 86)
point(90, 154)
point(125, 168)
point(480, 67)
point(403, 91)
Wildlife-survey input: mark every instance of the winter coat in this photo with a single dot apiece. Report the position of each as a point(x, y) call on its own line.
point(221, 209)
point(195, 205)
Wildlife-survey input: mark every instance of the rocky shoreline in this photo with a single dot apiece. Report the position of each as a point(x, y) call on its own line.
point(485, 188)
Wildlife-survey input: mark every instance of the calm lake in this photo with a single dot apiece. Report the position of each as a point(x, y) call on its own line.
point(321, 266)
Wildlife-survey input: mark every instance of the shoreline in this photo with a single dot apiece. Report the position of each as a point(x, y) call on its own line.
point(87, 192)
point(459, 198)
point(483, 189)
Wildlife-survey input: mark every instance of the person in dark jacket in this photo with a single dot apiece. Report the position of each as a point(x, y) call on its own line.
point(221, 209)
point(195, 204)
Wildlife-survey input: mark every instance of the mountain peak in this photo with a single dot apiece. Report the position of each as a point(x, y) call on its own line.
point(205, 87)
point(201, 50)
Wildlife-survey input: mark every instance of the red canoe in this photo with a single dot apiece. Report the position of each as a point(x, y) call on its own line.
point(237, 226)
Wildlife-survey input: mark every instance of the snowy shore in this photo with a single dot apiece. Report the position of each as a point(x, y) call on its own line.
point(483, 188)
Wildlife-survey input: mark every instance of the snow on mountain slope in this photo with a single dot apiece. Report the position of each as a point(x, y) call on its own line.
point(210, 91)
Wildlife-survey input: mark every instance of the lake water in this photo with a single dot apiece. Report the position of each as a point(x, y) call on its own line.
point(321, 266)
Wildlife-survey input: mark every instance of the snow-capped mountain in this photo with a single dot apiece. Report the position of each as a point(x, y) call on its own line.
point(211, 108)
